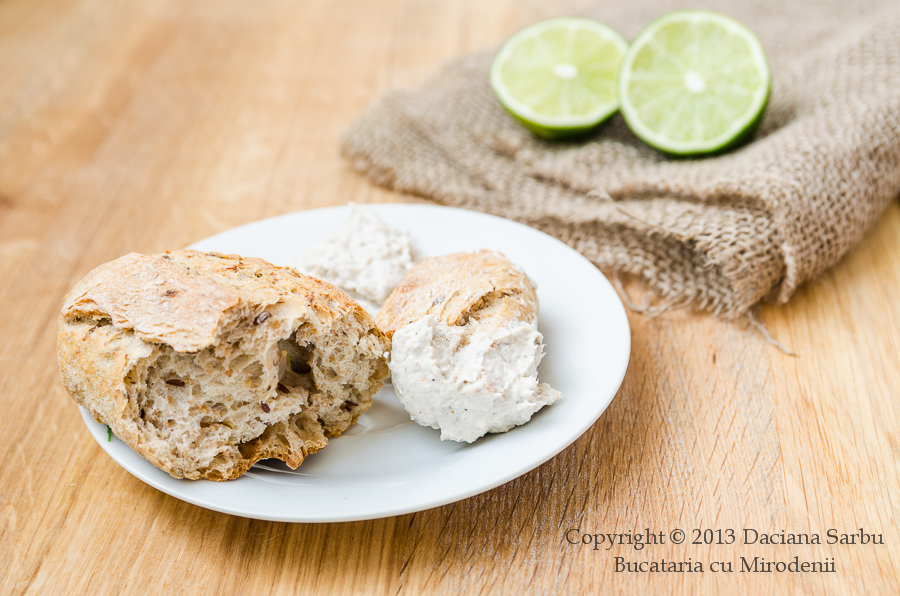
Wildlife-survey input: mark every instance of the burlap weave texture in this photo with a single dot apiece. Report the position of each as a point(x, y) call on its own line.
point(719, 233)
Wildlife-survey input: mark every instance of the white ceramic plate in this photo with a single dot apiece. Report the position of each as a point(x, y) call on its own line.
point(387, 465)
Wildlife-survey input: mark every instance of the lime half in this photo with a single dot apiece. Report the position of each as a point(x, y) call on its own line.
point(694, 82)
point(558, 77)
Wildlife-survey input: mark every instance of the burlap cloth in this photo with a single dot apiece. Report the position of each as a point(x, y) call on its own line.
point(719, 233)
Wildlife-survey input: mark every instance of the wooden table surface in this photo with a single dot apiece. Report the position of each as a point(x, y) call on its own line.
point(144, 126)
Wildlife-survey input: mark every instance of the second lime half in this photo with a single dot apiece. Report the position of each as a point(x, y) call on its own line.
point(694, 82)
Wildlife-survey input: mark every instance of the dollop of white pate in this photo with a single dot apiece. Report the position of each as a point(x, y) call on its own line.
point(366, 257)
point(469, 381)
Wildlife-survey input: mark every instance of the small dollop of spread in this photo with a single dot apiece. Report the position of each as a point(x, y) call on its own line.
point(365, 258)
point(472, 380)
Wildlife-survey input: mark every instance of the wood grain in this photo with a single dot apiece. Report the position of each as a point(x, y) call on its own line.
point(141, 126)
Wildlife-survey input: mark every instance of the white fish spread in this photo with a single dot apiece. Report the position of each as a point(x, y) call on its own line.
point(366, 257)
point(468, 389)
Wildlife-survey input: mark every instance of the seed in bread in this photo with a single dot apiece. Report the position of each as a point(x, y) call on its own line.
point(206, 363)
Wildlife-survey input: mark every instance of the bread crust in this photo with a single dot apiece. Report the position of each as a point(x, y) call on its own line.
point(455, 287)
point(126, 312)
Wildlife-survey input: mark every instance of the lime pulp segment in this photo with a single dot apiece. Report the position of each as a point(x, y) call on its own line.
point(559, 76)
point(694, 82)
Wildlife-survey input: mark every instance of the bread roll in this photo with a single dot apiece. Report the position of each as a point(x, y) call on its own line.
point(206, 363)
point(482, 285)
point(465, 345)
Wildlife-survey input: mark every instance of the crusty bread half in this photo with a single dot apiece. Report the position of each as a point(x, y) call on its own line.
point(483, 285)
point(206, 363)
